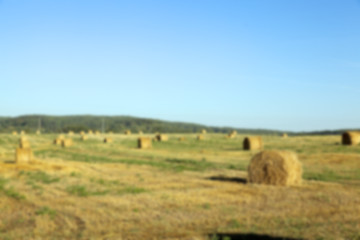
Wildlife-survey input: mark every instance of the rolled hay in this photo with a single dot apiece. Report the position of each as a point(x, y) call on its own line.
point(57, 141)
point(22, 133)
point(350, 138)
point(284, 135)
point(110, 132)
point(127, 132)
point(161, 138)
point(14, 133)
point(141, 133)
point(38, 132)
point(23, 155)
point(66, 142)
point(108, 140)
point(272, 167)
point(203, 131)
point(82, 133)
point(182, 139)
point(84, 137)
point(144, 143)
point(24, 143)
point(70, 133)
point(253, 143)
point(90, 132)
point(200, 137)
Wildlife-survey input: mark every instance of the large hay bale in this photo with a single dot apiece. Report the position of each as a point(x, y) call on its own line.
point(161, 137)
point(350, 138)
point(66, 142)
point(275, 168)
point(84, 137)
point(127, 132)
point(57, 141)
point(253, 143)
point(200, 137)
point(144, 142)
point(23, 155)
point(108, 140)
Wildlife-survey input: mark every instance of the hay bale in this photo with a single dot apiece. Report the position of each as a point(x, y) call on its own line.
point(275, 168)
point(38, 132)
point(57, 141)
point(127, 132)
point(141, 133)
point(22, 132)
point(66, 142)
point(161, 138)
point(253, 143)
point(200, 137)
point(84, 137)
point(14, 133)
point(70, 133)
point(110, 132)
point(284, 135)
point(144, 143)
point(82, 133)
point(350, 138)
point(24, 143)
point(182, 139)
point(23, 155)
point(90, 132)
point(203, 131)
point(108, 140)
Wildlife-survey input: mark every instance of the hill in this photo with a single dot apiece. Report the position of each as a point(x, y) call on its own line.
point(57, 124)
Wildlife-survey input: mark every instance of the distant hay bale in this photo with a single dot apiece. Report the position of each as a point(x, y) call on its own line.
point(23, 155)
point(350, 138)
point(82, 133)
point(141, 133)
point(108, 140)
point(70, 133)
point(57, 141)
point(110, 132)
point(24, 143)
point(182, 139)
point(253, 143)
point(203, 131)
point(14, 133)
point(38, 132)
point(275, 168)
point(90, 132)
point(61, 136)
point(284, 135)
point(200, 137)
point(66, 142)
point(127, 132)
point(144, 143)
point(84, 137)
point(232, 134)
point(161, 137)
point(22, 132)
point(97, 133)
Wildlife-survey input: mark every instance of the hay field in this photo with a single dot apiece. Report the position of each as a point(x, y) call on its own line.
point(176, 190)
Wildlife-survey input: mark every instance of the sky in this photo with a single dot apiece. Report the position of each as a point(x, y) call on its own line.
point(280, 64)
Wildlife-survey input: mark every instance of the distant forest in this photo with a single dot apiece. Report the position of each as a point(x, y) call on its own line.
point(118, 124)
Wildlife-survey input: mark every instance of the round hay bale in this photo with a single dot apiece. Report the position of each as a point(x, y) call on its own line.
point(350, 138)
point(108, 140)
point(200, 137)
point(144, 143)
point(275, 168)
point(284, 135)
point(203, 131)
point(127, 132)
point(84, 137)
point(182, 139)
point(161, 137)
point(253, 143)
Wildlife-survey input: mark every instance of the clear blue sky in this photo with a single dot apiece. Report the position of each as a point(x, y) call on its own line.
point(279, 64)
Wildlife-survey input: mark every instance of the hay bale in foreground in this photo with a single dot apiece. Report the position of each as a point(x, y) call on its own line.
point(127, 132)
point(66, 142)
point(144, 143)
point(108, 140)
point(161, 137)
point(350, 138)
point(253, 143)
point(84, 137)
point(23, 155)
point(275, 168)
point(200, 137)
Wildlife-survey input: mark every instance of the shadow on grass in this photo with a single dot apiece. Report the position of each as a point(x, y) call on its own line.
point(246, 236)
point(228, 179)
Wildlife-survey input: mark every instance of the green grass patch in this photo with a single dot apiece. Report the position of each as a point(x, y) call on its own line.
point(46, 211)
point(42, 177)
point(131, 190)
point(82, 191)
point(10, 192)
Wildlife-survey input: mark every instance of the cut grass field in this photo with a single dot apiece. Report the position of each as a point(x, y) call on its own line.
point(176, 190)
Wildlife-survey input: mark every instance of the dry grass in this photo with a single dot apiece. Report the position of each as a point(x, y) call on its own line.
point(176, 190)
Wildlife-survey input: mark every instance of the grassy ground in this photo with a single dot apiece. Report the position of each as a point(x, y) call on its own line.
point(177, 190)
